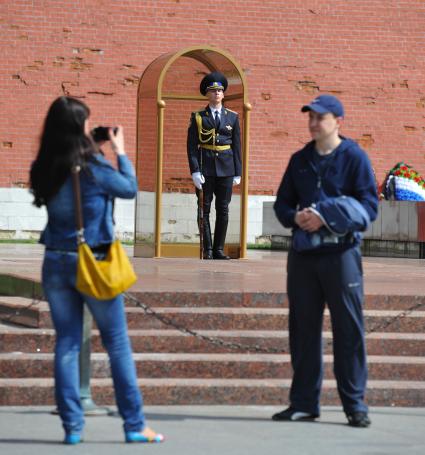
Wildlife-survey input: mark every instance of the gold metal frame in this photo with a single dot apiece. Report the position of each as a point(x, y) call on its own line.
point(198, 53)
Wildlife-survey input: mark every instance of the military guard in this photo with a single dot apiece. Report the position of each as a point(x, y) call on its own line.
point(214, 153)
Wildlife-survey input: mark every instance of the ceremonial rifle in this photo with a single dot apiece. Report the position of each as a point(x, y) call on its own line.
point(204, 137)
point(201, 213)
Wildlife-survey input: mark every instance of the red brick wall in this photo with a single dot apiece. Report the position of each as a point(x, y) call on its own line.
point(368, 52)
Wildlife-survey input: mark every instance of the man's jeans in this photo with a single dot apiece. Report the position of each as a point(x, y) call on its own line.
point(66, 306)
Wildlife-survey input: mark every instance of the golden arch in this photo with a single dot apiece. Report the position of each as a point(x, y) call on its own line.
point(153, 94)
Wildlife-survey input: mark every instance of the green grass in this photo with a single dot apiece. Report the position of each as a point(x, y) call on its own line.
point(32, 241)
point(255, 246)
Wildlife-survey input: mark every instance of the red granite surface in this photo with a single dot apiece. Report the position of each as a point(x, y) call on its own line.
point(263, 271)
point(238, 301)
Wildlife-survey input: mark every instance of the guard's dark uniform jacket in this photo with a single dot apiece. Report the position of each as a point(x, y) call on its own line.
point(215, 153)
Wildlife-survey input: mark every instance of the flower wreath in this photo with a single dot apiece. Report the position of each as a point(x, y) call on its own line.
point(403, 183)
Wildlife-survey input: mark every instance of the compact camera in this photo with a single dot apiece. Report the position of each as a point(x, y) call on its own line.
point(100, 133)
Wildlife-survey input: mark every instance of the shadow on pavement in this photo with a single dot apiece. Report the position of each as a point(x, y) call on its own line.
point(29, 441)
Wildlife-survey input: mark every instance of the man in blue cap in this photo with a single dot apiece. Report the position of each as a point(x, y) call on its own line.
point(214, 154)
point(329, 170)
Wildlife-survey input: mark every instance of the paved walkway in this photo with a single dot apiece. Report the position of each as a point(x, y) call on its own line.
point(263, 271)
point(214, 430)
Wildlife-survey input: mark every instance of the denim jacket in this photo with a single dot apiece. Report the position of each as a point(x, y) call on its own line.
point(100, 183)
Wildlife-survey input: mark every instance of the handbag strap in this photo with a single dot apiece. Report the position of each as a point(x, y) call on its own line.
point(78, 206)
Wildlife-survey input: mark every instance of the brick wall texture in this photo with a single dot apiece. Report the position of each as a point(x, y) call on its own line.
point(370, 53)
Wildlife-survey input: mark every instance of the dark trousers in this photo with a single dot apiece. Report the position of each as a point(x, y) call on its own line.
point(335, 279)
point(221, 188)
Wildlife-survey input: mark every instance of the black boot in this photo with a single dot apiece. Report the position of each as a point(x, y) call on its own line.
point(208, 252)
point(220, 237)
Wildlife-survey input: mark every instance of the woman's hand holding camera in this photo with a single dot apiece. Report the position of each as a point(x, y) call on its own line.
point(117, 140)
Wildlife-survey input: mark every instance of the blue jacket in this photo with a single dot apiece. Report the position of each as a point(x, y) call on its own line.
point(225, 163)
point(343, 217)
point(348, 173)
point(100, 184)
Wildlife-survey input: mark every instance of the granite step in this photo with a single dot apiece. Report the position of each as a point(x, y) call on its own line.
point(265, 319)
point(225, 366)
point(213, 299)
point(224, 318)
point(186, 391)
point(227, 300)
point(15, 338)
point(24, 311)
point(259, 299)
point(181, 369)
point(35, 313)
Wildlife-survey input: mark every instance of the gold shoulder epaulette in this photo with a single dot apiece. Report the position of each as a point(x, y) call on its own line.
point(198, 112)
point(230, 110)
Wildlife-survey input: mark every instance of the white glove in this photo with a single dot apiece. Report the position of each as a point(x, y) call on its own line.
point(198, 180)
point(236, 180)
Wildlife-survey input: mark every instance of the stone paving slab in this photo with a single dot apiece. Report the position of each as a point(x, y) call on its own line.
point(263, 271)
point(227, 430)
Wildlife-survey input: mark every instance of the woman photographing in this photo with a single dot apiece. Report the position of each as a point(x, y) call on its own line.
point(66, 143)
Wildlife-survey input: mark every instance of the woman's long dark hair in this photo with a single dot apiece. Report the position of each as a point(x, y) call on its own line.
point(63, 145)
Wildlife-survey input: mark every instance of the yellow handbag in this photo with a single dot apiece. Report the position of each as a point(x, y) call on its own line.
point(102, 279)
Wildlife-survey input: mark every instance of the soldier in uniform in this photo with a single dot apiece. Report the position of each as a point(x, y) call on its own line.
point(213, 149)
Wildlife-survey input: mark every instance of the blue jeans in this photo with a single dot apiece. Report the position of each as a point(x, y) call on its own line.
point(66, 307)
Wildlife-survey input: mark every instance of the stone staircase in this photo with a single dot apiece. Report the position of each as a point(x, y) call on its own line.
point(176, 368)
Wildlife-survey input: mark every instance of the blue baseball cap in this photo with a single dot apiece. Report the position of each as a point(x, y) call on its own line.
point(325, 104)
